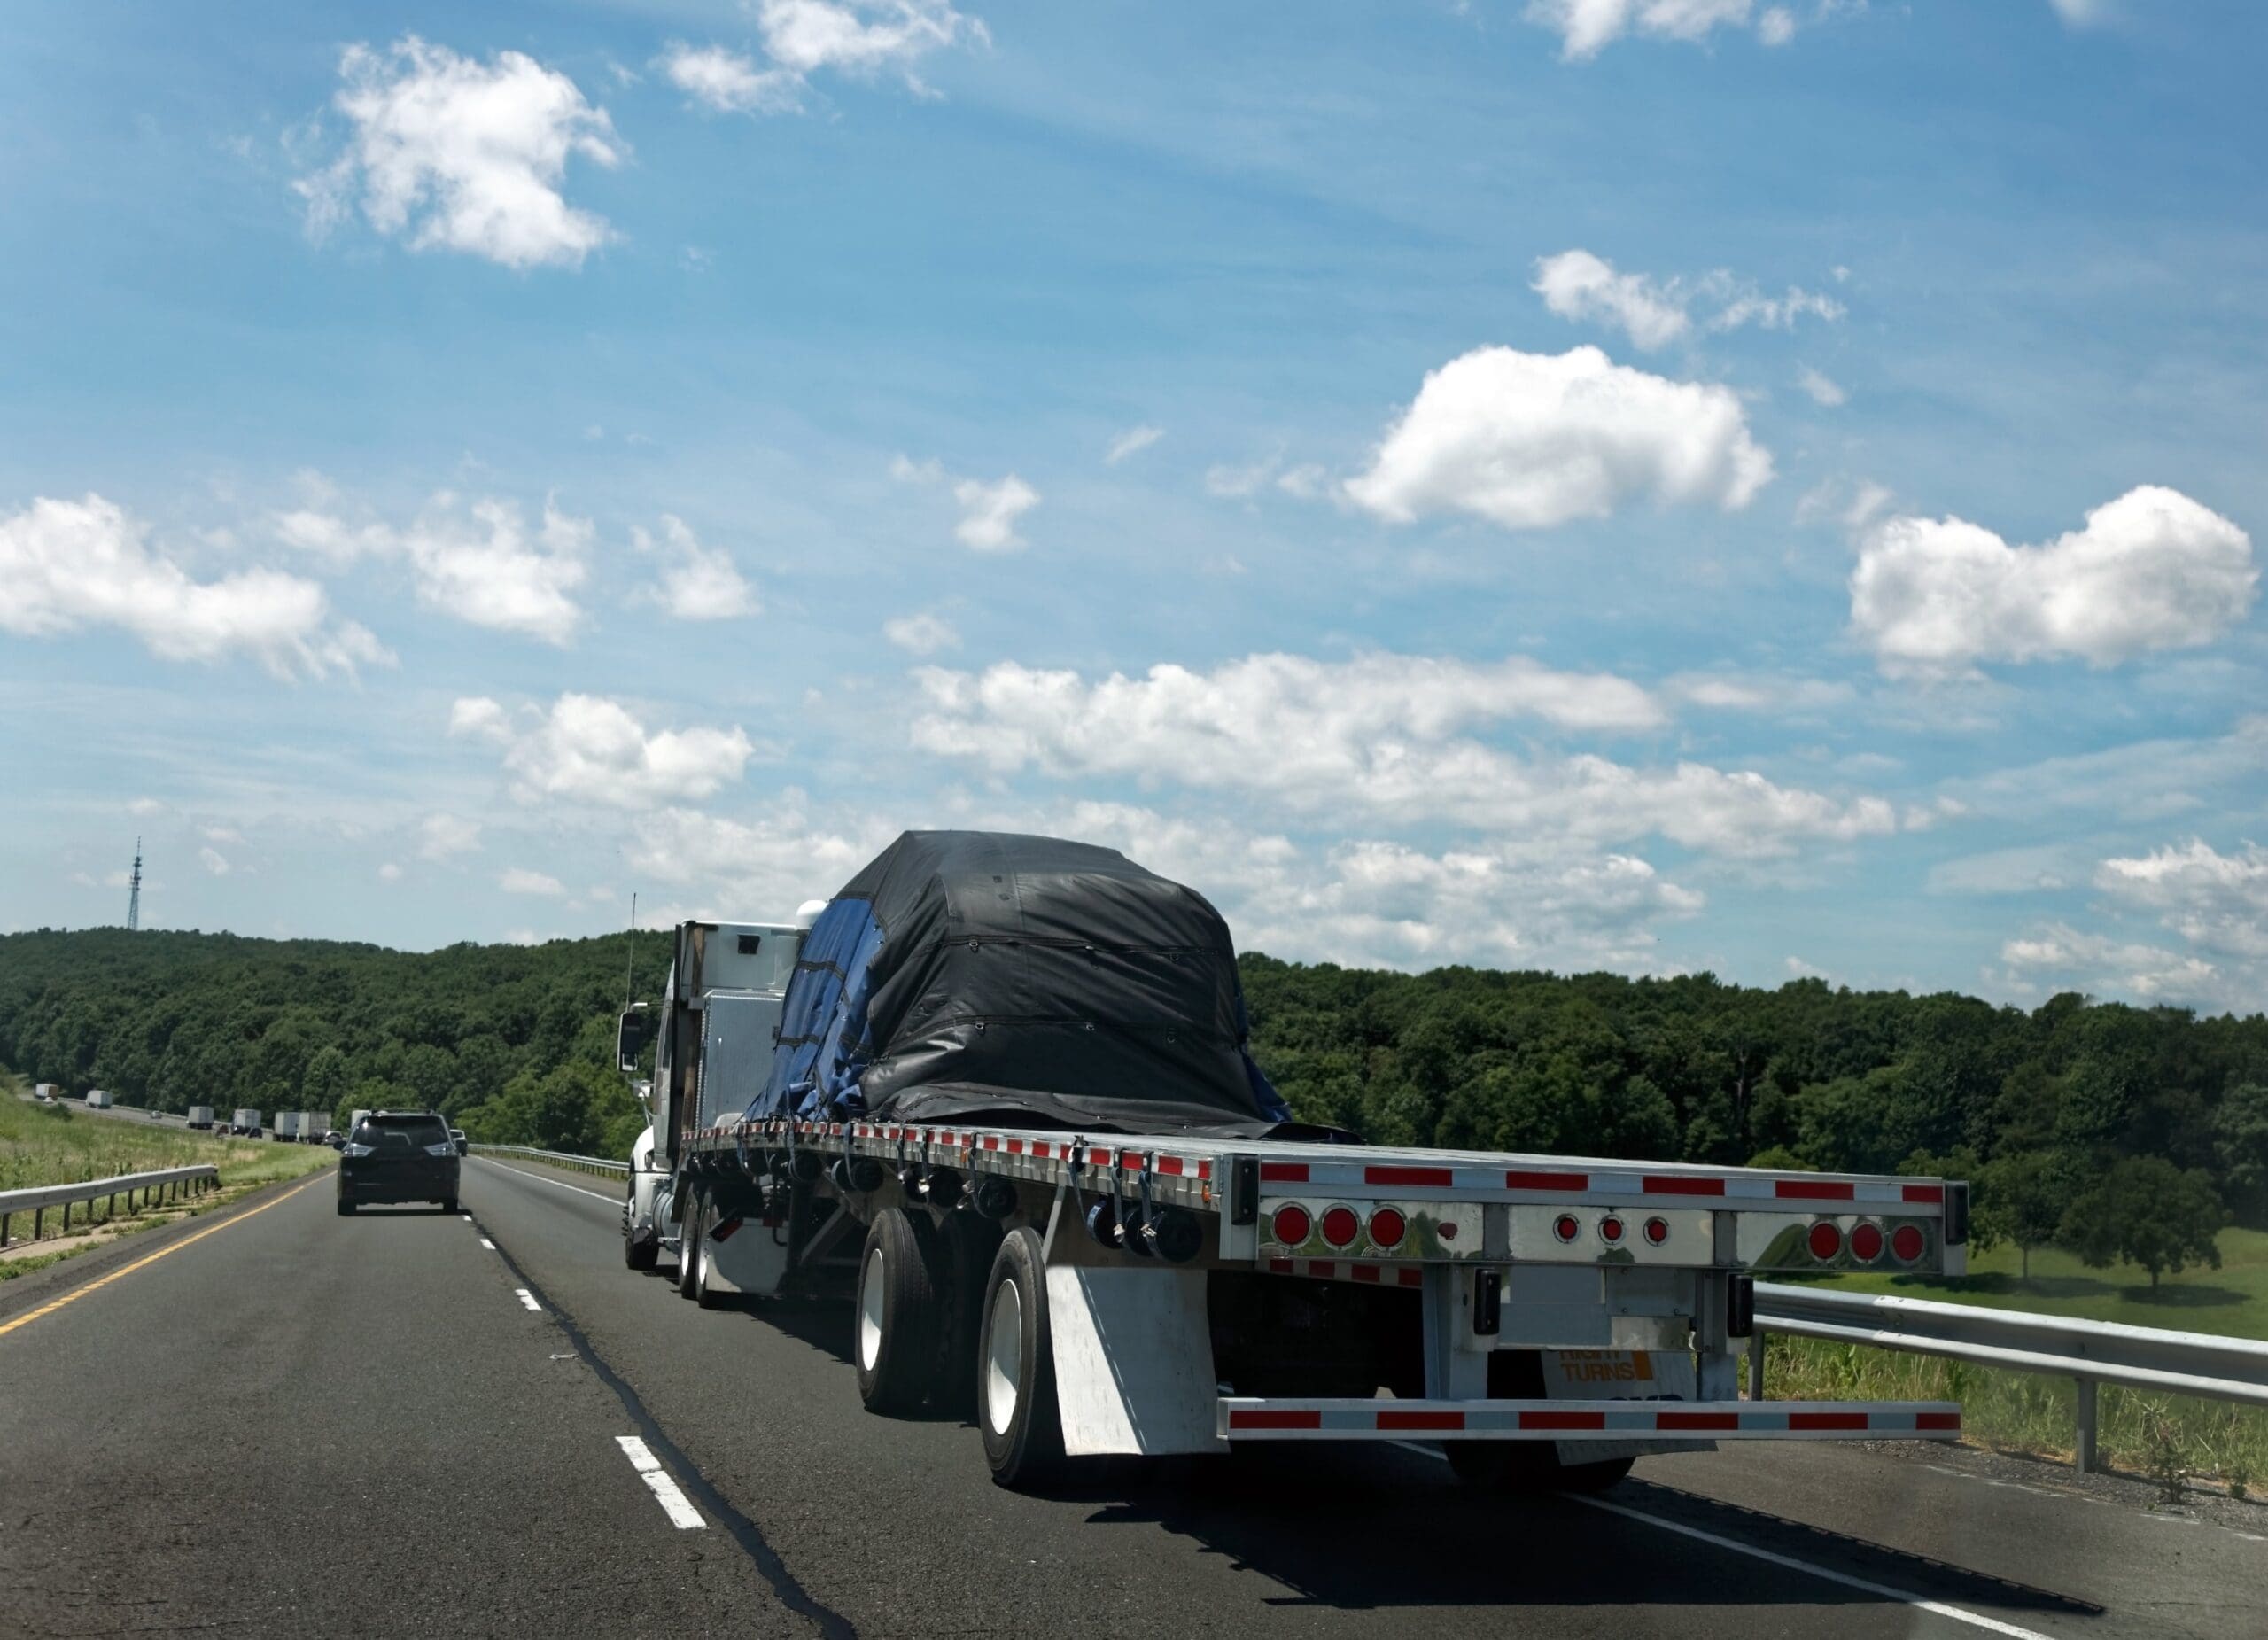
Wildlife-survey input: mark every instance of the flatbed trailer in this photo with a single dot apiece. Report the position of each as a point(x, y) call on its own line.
point(1596, 1305)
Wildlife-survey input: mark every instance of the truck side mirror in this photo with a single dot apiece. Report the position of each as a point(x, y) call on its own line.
point(629, 1040)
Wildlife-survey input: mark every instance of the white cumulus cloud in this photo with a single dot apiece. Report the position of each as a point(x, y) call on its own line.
point(861, 37)
point(924, 633)
point(1131, 442)
point(2216, 901)
point(445, 837)
point(587, 749)
point(456, 154)
point(989, 512)
point(212, 860)
point(1586, 28)
point(1528, 441)
point(519, 880)
point(65, 565)
point(697, 583)
point(1575, 284)
point(1820, 389)
point(2152, 569)
point(720, 78)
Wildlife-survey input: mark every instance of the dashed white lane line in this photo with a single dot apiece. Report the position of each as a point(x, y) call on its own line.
point(485, 1242)
point(1935, 1608)
point(612, 1201)
point(682, 1515)
point(527, 1298)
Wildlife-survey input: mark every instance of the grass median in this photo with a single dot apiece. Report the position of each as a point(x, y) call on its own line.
point(2169, 1438)
point(57, 1145)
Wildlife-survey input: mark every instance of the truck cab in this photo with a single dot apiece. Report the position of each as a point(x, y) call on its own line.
point(713, 1032)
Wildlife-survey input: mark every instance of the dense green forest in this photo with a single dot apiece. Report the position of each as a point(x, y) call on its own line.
point(2090, 1123)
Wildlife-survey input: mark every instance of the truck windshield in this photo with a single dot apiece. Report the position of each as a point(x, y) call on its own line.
point(401, 1133)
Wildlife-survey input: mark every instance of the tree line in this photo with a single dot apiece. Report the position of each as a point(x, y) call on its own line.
point(2117, 1130)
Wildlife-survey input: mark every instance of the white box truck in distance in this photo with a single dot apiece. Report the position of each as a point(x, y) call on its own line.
point(246, 1121)
point(287, 1127)
point(98, 1098)
point(200, 1116)
point(1010, 1107)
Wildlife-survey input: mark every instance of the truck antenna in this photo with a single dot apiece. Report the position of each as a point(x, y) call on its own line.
point(629, 963)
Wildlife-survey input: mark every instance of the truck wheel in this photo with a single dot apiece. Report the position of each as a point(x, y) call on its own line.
point(1016, 1409)
point(703, 1260)
point(449, 1206)
point(346, 1207)
point(635, 1254)
point(691, 1228)
point(967, 1243)
point(899, 1310)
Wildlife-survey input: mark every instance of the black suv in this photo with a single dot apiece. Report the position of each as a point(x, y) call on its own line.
point(399, 1155)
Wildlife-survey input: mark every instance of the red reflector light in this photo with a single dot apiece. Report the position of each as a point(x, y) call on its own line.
point(1566, 1227)
point(1292, 1225)
point(1610, 1230)
point(1657, 1231)
point(1388, 1228)
point(1866, 1243)
point(1340, 1227)
point(1825, 1241)
point(1908, 1243)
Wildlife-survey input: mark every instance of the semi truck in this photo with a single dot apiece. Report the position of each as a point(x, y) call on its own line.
point(200, 1116)
point(287, 1127)
point(996, 1095)
point(314, 1126)
point(245, 1122)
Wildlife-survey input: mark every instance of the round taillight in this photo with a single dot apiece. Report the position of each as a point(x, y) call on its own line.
point(1340, 1227)
point(1292, 1224)
point(1657, 1231)
point(1825, 1241)
point(1866, 1243)
point(1908, 1243)
point(1566, 1227)
point(1610, 1230)
point(1387, 1227)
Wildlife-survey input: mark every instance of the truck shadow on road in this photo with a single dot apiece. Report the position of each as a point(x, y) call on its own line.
point(1383, 1528)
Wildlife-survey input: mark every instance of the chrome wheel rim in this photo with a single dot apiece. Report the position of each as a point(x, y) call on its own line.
point(1004, 1353)
point(870, 1311)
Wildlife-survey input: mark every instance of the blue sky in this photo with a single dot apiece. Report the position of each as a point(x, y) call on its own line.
point(1656, 484)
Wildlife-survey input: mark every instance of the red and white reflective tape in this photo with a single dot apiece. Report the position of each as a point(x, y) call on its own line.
point(1245, 1419)
point(1364, 1272)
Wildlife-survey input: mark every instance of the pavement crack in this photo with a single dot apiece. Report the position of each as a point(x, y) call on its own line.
point(744, 1531)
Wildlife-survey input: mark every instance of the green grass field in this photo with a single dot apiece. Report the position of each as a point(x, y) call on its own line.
point(2030, 1413)
point(57, 1145)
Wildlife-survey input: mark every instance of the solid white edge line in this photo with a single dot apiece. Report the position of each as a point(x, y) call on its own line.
point(674, 1503)
point(485, 1242)
point(528, 1299)
point(612, 1201)
point(1937, 1608)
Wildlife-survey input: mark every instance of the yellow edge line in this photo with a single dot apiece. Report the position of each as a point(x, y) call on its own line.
point(76, 1293)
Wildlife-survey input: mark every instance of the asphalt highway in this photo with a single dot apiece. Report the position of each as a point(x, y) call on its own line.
point(291, 1423)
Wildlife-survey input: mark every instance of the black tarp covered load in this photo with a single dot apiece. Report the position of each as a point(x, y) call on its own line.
point(964, 975)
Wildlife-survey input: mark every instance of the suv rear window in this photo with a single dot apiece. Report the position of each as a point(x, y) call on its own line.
point(401, 1134)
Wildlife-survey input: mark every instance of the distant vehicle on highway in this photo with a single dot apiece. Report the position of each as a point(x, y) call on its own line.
point(456, 1136)
point(314, 1126)
point(399, 1155)
point(200, 1116)
point(287, 1127)
point(356, 1119)
point(45, 1092)
point(336, 1139)
point(245, 1122)
point(98, 1098)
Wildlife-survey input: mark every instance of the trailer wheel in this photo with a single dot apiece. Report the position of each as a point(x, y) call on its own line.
point(690, 1230)
point(1016, 1409)
point(899, 1309)
point(703, 1260)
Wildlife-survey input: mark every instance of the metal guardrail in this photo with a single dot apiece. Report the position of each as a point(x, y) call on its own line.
point(588, 1164)
point(167, 1183)
point(2090, 1353)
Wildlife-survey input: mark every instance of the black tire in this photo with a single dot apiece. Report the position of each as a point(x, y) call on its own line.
point(691, 1229)
point(900, 1310)
point(967, 1243)
point(636, 1255)
point(449, 1206)
point(1020, 1420)
point(346, 1207)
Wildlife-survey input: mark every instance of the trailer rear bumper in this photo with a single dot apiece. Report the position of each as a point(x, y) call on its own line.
point(1242, 1418)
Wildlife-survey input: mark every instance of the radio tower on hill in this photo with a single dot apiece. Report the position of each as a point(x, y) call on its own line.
point(134, 891)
